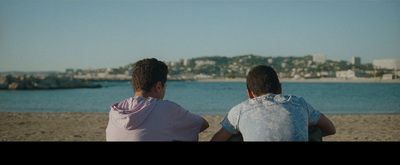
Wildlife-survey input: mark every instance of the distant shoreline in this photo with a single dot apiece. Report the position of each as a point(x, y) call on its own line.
point(319, 80)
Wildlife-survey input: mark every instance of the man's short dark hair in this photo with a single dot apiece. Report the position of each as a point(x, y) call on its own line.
point(147, 73)
point(262, 79)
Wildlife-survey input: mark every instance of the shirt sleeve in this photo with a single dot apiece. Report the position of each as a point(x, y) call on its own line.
point(191, 121)
point(231, 121)
point(313, 115)
point(186, 125)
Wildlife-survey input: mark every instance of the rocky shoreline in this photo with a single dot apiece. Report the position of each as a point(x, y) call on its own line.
point(26, 82)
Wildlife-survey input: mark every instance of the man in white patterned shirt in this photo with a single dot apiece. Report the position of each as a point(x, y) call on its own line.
point(270, 116)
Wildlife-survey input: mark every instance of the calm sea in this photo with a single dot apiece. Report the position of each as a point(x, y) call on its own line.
point(209, 97)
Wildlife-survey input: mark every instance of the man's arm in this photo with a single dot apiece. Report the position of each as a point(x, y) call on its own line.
point(326, 126)
point(222, 135)
point(204, 126)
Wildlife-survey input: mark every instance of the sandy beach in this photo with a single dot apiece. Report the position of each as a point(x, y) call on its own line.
point(78, 126)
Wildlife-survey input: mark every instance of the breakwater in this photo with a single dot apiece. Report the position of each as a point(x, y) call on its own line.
point(16, 82)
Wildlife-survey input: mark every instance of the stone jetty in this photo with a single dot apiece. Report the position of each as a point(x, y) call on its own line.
point(45, 81)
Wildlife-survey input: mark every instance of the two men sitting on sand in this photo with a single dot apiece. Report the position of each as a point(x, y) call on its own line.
point(266, 116)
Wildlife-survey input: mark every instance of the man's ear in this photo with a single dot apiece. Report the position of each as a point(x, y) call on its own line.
point(250, 93)
point(158, 87)
point(279, 89)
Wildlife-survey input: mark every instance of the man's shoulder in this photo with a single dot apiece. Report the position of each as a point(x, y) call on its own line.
point(168, 103)
point(272, 100)
point(295, 99)
point(241, 107)
point(171, 107)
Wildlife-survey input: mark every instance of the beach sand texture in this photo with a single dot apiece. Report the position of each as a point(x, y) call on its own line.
point(79, 126)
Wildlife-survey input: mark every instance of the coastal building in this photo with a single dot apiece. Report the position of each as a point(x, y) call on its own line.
point(387, 77)
point(356, 60)
point(270, 60)
point(348, 74)
point(186, 62)
point(202, 76)
point(283, 65)
point(326, 74)
point(387, 64)
point(319, 58)
point(204, 62)
point(173, 63)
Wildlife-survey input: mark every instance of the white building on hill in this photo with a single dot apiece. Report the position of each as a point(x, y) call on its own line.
point(387, 64)
point(319, 58)
point(348, 74)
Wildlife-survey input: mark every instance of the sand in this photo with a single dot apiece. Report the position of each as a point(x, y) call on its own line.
point(78, 126)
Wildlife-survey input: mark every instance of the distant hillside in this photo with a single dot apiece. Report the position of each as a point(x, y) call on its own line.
point(229, 67)
point(238, 66)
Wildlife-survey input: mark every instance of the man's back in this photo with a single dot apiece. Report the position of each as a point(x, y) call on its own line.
point(272, 118)
point(150, 119)
point(269, 116)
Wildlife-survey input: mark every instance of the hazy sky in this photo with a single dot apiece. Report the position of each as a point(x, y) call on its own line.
point(54, 35)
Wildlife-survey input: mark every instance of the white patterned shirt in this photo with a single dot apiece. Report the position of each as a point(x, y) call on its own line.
point(272, 118)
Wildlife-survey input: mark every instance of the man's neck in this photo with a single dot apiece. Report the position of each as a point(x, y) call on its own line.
point(145, 94)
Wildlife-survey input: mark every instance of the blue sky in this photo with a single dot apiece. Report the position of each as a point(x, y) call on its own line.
point(54, 35)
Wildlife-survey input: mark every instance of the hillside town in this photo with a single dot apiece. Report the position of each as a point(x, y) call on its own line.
point(219, 67)
point(309, 67)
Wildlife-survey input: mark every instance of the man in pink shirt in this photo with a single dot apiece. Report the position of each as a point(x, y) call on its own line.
point(146, 116)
